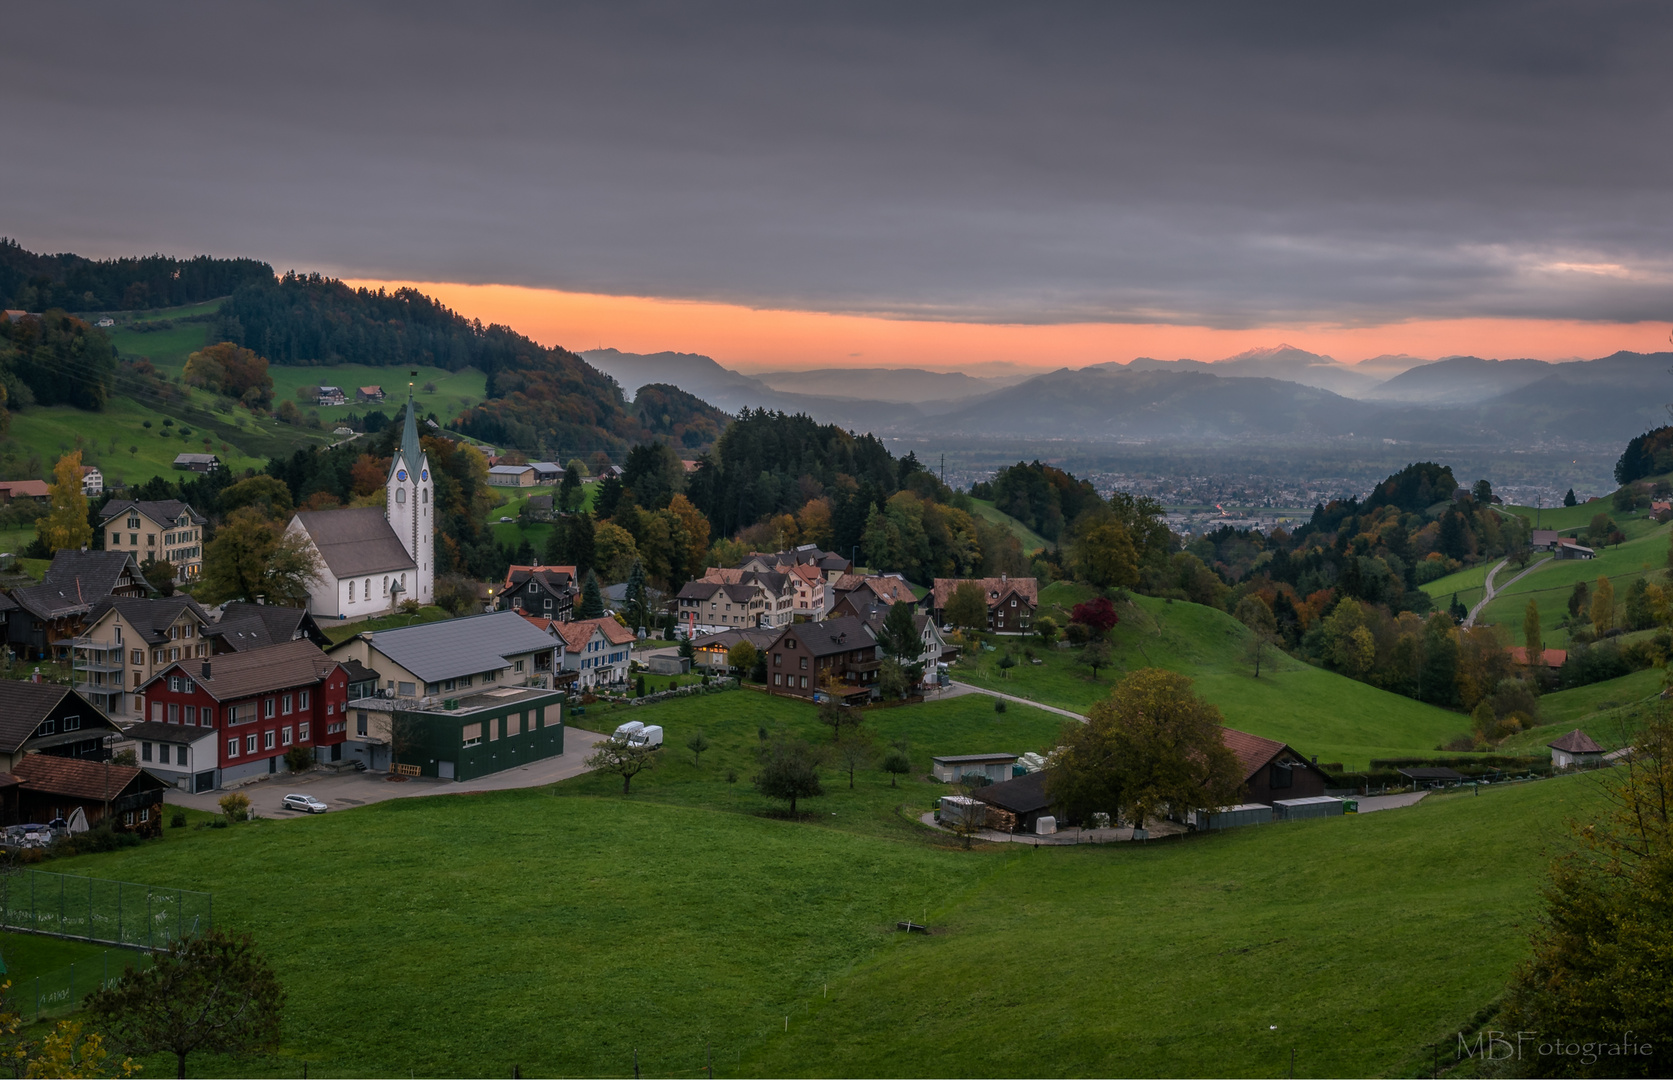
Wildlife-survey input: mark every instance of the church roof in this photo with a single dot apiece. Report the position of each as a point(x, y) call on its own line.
point(355, 541)
point(409, 434)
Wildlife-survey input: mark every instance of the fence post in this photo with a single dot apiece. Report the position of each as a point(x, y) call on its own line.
point(148, 925)
point(60, 903)
point(179, 912)
point(90, 909)
point(119, 913)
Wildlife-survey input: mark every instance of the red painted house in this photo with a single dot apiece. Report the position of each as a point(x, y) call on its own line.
point(258, 704)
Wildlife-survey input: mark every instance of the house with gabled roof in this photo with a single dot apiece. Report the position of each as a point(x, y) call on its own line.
point(50, 719)
point(726, 598)
point(1272, 770)
point(242, 626)
point(548, 591)
point(259, 704)
point(599, 651)
point(802, 657)
point(129, 639)
point(52, 613)
point(50, 788)
point(165, 529)
point(497, 648)
point(366, 570)
point(1011, 601)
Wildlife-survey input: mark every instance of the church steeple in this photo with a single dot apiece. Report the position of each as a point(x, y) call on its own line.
point(409, 433)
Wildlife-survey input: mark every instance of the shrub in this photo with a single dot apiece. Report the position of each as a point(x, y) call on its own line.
point(299, 759)
point(235, 806)
point(178, 821)
point(998, 704)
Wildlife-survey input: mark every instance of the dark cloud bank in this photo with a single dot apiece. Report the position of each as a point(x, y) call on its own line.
point(1232, 164)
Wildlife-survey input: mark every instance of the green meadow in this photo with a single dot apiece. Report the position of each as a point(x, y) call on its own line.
point(1317, 711)
point(1030, 540)
point(572, 930)
point(1550, 586)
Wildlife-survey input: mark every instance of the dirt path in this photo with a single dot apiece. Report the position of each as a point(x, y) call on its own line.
point(959, 689)
point(1491, 590)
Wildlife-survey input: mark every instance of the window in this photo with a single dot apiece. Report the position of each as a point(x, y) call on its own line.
point(366, 589)
point(285, 735)
point(267, 709)
point(287, 704)
point(360, 722)
point(1282, 775)
point(191, 716)
point(250, 743)
point(804, 663)
point(173, 713)
point(115, 539)
point(804, 682)
point(268, 740)
point(72, 723)
point(156, 712)
point(144, 814)
point(180, 756)
point(174, 633)
point(302, 703)
point(778, 680)
point(206, 717)
point(145, 751)
point(778, 659)
point(47, 727)
point(518, 665)
point(351, 592)
point(407, 689)
point(232, 748)
point(302, 731)
point(386, 585)
point(138, 657)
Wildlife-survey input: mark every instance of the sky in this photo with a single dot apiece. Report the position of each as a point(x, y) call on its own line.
point(934, 184)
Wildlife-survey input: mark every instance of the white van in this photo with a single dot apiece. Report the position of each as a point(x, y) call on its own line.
point(650, 736)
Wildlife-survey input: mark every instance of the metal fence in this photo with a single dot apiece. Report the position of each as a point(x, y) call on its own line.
point(63, 991)
point(99, 910)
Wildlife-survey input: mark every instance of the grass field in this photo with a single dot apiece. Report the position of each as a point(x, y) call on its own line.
point(1611, 712)
point(117, 441)
point(1317, 711)
point(29, 955)
point(341, 631)
point(1551, 585)
point(511, 533)
point(468, 934)
point(1031, 541)
point(454, 390)
point(1568, 518)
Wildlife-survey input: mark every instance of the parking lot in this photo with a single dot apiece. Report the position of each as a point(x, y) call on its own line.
point(344, 790)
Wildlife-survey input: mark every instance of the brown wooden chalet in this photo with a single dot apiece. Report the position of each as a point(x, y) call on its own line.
point(51, 614)
point(51, 787)
point(1272, 770)
point(47, 718)
point(845, 649)
point(548, 592)
point(1011, 601)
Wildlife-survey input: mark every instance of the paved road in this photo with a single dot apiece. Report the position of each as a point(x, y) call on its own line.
point(340, 791)
point(1372, 803)
point(959, 689)
point(1491, 590)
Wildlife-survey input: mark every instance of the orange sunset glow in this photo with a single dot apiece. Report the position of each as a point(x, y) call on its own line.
point(764, 339)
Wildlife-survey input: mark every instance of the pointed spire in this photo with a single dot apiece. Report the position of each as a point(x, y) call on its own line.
point(409, 434)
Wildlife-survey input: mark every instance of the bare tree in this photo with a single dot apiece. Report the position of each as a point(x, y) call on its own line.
point(621, 758)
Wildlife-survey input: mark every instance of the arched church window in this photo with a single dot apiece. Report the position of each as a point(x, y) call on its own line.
point(351, 592)
point(386, 585)
point(400, 496)
point(366, 589)
point(426, 496)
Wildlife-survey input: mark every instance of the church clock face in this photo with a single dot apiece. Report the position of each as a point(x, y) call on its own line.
point(424, 474)
point(401, 475)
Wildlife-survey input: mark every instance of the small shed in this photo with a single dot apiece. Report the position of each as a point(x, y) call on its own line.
point(666, 664)
point(1024, 798)
point(1575, 750)
point(1432, 776)
point(1232, 817)
point(952, 769)
point(1573, 549)
point(1297, 809)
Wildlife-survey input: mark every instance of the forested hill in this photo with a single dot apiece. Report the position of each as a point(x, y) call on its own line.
point(34, 282)
point(540, 400)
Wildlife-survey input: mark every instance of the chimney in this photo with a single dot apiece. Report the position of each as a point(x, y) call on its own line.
point(206, 669)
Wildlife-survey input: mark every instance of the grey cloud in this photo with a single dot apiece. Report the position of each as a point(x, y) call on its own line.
point(1232, 164)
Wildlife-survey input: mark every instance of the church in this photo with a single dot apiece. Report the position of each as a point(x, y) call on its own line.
point(372, 560)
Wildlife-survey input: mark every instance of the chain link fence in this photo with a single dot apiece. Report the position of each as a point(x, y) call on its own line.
point(57, 993)
point(100, 910)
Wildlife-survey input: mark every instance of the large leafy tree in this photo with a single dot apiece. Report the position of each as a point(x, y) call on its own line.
point(1105, 557)
point(967, 606)
point(1152, 743)
point(253, 557)
point(215, 994)
point(65, 525)
point(899, 636)
point(789, 772)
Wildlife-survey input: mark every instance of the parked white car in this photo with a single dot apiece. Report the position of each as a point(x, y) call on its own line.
point(305, 804)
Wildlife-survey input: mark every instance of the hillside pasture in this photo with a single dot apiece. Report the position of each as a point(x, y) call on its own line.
point(1551, 585)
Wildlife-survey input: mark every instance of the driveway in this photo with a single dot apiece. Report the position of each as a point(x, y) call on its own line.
point(346, 789)
point(959, 689)
point(1371, 804)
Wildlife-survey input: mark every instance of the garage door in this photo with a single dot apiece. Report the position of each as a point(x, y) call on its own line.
point(444, 769)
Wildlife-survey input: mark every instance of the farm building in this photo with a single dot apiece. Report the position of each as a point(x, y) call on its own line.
point(1432, 776)
point(1299, 809)
point(203, 463)
point(1024, 797)
point(55, 787)
point(1575, 750)
point(1272, 770)
point(995, 767)
point(1573, 549)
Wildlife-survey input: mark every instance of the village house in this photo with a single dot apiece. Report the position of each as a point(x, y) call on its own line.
point(1543, 539)
point(845, 650)
point(1011, 601)
point(712, 651)
point(37, 490)
point(549, 591)
point(1272, 770)
point(259, 704)
point(51, 614)
point(368, 393)
point(92, 481)
point(497, 648)
point(198, 463)
point(933, 647)
point(727, 598)
point(599, 651)
point(167, 530)
point(829, 564)
point(546, 473)
point(243, 626)
point(1573, 549)
point(127, 641)
point(332, 395)
point(41, 718)
point(538, 508)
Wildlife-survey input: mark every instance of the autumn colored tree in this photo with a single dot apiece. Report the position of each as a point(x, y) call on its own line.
point(1254, 613)
point(967, 606)
point(1152, 743)
point(368, 474)
point(1105, 557)
point(232, 370)
point(65, 525)
point(1603, 606)
point(253, 557)
point(1097, 615)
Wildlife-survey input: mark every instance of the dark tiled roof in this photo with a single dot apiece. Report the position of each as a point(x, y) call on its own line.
point(23, 705)
point(244, 626)
point(152, 618)
point(967, 759)
point(76, 581)
point(1576, 742)
point(1026, 587)
point(443, 650)
point(704, 590)
point(1252, 751)
point(77, 778)
point(1024, 794)
point(354, 541)
point(725, 639)
point(241, 674)
point(179, 734)
point(164, 511)
point(832, 636)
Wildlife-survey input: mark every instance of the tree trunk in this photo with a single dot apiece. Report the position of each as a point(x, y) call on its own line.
point(181, 1055)
point(792, 806)
point(627, 781)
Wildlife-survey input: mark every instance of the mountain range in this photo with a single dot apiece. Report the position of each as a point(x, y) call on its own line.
point(1280, 394)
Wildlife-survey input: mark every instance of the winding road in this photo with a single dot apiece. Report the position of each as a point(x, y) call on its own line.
point(1491, 590)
